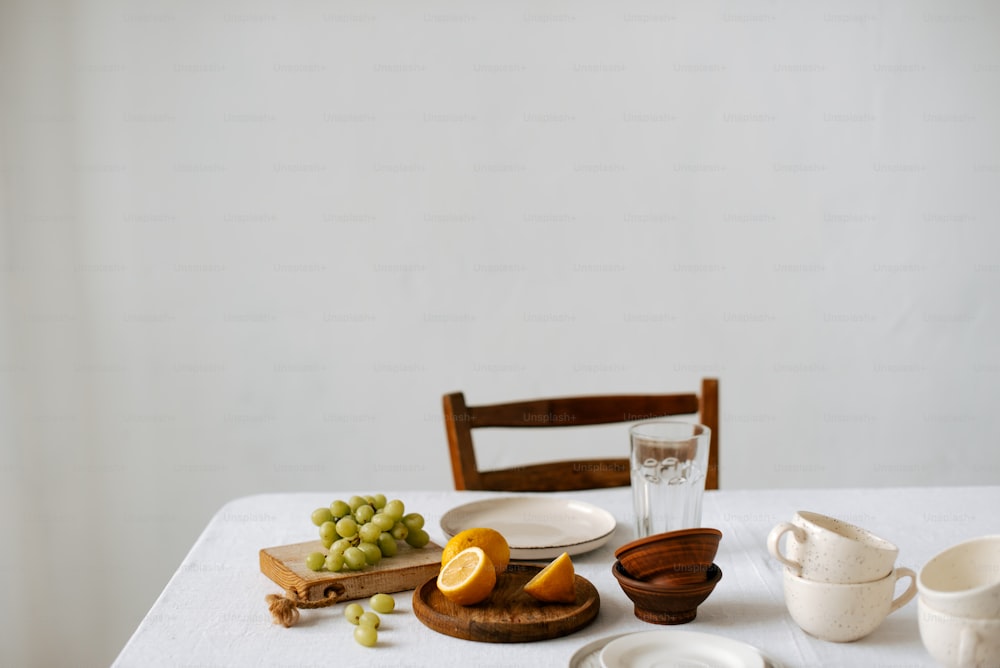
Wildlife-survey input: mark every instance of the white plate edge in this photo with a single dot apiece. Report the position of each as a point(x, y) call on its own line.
point(593, 509)
point(708, 638)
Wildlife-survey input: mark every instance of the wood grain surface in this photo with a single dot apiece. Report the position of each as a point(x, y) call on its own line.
point(285, 565)
point(508, 615)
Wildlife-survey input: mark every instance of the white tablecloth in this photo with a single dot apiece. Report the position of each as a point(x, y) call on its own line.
point(213, 612)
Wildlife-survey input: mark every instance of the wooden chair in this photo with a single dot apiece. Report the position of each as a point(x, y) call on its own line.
point(460, 419)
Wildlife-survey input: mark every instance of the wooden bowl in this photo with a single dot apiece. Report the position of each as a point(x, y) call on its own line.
point(678, 557)
point(659, 603)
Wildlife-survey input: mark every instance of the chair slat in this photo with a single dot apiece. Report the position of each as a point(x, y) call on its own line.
point(569, 411)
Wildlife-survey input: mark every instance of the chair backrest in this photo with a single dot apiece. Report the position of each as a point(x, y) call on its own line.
point(461, 419)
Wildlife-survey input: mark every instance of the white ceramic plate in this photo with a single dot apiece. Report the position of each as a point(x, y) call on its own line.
point(536, 527)
point(679, 648)
point(589, 656)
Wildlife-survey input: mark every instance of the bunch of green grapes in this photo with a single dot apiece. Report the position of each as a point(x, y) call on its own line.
point(360, 531)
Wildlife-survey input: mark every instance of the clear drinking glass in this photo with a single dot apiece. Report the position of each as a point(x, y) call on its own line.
point(669, 461)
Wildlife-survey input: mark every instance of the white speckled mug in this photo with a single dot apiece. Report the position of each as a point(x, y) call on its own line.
point(964, 580)
point(845, 612)
point(959, 642)
point(826, 549)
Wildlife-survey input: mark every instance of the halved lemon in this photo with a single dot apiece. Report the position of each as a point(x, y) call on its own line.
point(556, 583)
point(491, 541)
point(468, 577)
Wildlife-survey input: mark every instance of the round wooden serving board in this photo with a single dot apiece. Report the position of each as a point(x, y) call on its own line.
point(508, 615)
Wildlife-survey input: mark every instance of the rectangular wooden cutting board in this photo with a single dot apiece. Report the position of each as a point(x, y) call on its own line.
point(411, 567)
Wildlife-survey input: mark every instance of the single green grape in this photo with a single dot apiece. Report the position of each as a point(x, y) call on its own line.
point(369, 533)
point(340, 545)
point(347, 527)
point(372, 552)
point(364, 514)
point(382, 603)
point(315, 561)
point(339, 508)
point(328, 531)
point(395, 509)
point(388, 545)
point(356, 502)
point(417, 538)
point(383, 521)
point(369, 499)
point(321, 515)
point(354, 558)
point(379, 501)
point(334, 562)
point(369, 619)
point(366, 635)
point(353, 612)
point(399, 531)
point(414, 521)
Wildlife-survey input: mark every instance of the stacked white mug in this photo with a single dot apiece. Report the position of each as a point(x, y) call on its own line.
point(959, 604)
point(839, 579)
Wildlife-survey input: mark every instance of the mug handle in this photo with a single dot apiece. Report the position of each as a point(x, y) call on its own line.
point(967, 642)
point(911, 591)
point(774, 544)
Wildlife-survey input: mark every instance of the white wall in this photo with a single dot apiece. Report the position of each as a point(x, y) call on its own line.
point(246, 248)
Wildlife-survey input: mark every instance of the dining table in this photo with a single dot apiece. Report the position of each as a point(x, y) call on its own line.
point(213, 610)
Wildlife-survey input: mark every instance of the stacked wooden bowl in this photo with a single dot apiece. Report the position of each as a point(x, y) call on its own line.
point(668, 575)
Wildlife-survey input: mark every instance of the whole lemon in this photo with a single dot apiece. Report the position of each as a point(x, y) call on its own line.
point(488, 540)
